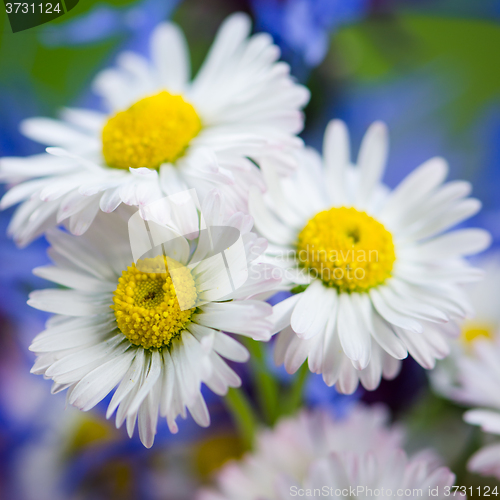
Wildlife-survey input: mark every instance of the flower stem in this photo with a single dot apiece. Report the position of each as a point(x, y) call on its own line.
point(292, 400)
point(243, 415)
point(266, 386)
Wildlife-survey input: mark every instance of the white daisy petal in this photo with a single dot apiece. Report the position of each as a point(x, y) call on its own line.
point(243, 106)
point(456, 243)
point(296, 353)
point(333, 355)
point(170, 55)
point(336, 151)
point(415, 187)
point(489, 420)
point(231, 34)
point(199, 412)
point(302, 318)
point(53, 133)
point(148, 416)
point(334, 226)
point(128, 382)
point(247, 317)
point(486, 461)
point(154, 358)
point(371, 161)
point(387, 339)
point(72, 279)
point(371, 375)
point(99, 382)
point(87, 119)
point(354, 337)
point(67, 302)
point(229, 348)
point(393, 316)
point(149, 381)
point(267, 223)
point(282, 313)
point(458, 213)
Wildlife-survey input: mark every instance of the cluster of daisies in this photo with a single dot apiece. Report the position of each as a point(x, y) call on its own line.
point(373, 274)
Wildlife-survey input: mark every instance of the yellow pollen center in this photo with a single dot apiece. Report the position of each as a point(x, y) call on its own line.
point(346, 249)
point(152, 131)
point(149, 310)
point(473, 330)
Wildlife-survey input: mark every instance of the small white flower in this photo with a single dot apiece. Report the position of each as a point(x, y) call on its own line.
point(126, 325)
point(312, 451)
point(162, 132)
point(380, 279)
point(471, 374)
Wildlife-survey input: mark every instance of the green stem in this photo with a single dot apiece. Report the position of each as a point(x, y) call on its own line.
point(267, 389)
point(472, 444)
point(243, 415)
point(292, 400)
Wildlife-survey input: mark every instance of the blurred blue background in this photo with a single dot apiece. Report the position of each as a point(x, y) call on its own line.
point(429, 68)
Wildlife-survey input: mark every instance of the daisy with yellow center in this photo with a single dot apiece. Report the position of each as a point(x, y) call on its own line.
point(347, 249)
point(150, 311)
point(470, 376)
point(312, 452)
point(152, 329)
point(372, 277)
point(161, 132)
point(153, 131)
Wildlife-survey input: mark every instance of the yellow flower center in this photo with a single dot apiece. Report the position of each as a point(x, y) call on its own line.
point(152, 131)
point(346, 249)
point(473, 330)
point(149, 310)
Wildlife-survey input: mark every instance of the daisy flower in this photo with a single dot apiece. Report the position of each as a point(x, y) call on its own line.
point(470, 376)
point(372, 275)
point(152, 328)
point(161, 132)
point(312, 451)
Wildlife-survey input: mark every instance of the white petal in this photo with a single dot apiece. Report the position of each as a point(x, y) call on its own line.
point(199, 411)
point(391, 315)
point(486, 461)
point(54, 133)
point(303, 314)
point(148, 416)
point(334, 354)
point(98, 383)
point(489, 420)
point(387, 339)
point(69, 302)
point(170, 55)
point(337, 157)
point(414, 188)
point(282, 313)
point(371, 161)
point(150, 380)
point(266, 222)
point(354, 336)
point(460, 211)
point(229, 348)
point(130, 379)
point(370, 376)
point(73, 279)
point(456, 243)
point(231, 34)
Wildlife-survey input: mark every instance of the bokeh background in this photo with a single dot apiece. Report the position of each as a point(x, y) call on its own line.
point(429, 68)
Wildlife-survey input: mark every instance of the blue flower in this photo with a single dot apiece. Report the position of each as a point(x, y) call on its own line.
point(134, 23)
point(318, 394)
point(302, 27)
